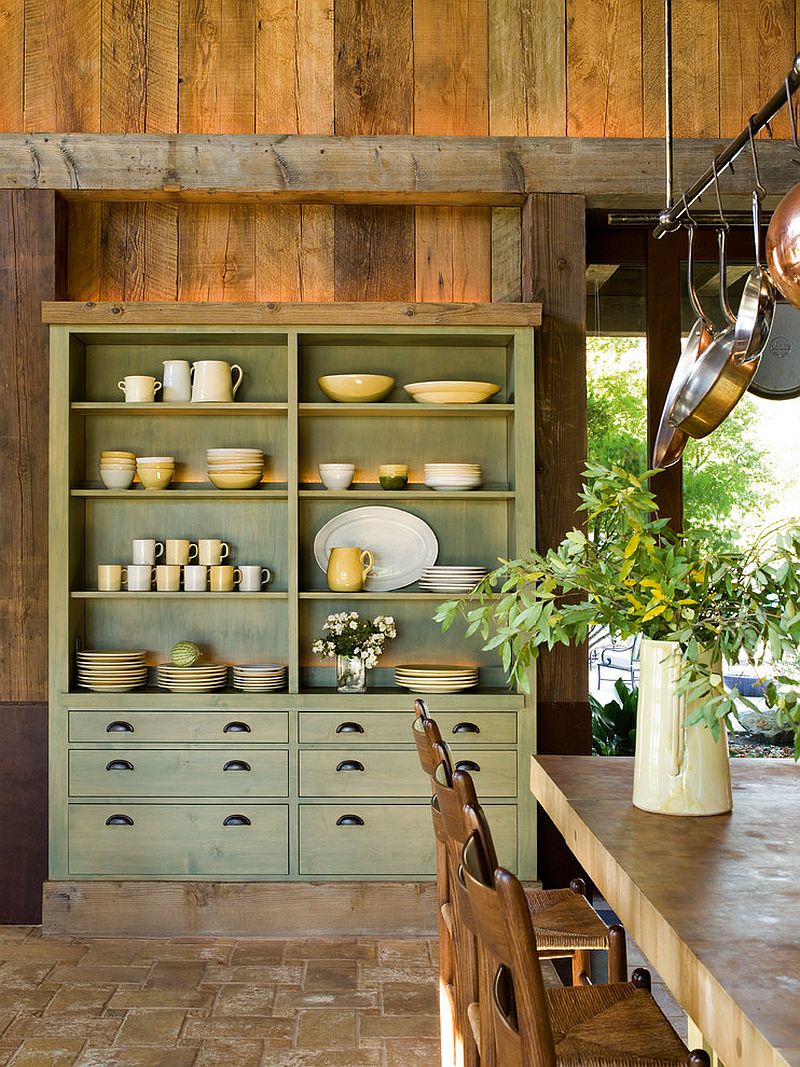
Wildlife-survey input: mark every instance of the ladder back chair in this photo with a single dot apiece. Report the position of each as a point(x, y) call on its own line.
point(616, 1025)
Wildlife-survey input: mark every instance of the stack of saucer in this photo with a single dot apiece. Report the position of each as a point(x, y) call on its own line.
point(259, 677)
point(435, 677)
point(453, 476)
point(111, 670)
point(117, 469)
point(235, 468)
point(201, 678)
point(451, 579)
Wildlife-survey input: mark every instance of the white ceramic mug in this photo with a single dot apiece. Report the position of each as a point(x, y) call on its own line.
point(139, 388)
point(111, 577)
point(212, 551)
point(177, 381)
point(212, 381)
point(195, 578)
point(221, 578)
point(180, 552)
point(146, 550)
point(140, 578)
point(253, 577)
point(168, 578)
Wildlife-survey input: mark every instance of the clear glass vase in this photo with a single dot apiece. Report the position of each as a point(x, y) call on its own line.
point(351, 674)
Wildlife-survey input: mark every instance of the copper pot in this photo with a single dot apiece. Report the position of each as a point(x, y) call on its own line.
point(783, 246)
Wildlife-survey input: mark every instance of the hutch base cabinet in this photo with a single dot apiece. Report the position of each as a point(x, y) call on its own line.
point(163, 793)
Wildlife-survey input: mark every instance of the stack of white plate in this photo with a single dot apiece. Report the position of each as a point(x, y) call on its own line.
point(435, 677)
point(451, 579)
point(111, 670)
point(201, 678)
point(235, 468)
point(259, 677)
point(453, 476)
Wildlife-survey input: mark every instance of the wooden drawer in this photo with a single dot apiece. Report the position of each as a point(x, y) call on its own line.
point(390, 727)
point(186, 840)
point(374, 772)
point(228, 727)
point(152, 772)
point(384, 839)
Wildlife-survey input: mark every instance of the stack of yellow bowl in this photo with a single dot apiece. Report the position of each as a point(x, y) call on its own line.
point(235, 468)
point(117, 469)
point(155, 472)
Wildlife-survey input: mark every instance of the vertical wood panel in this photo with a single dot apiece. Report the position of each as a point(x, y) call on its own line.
point(367, 264)
point(139, 251)
point(757, 45)
point(139, 83)
point(294, 66)
point(84, 269)
point(12, 36)
point(62, 66)
point(527, 68)
point(216, 253)
point(506, 252)
point(604, 68)
point(294, 253)
point(31, 242)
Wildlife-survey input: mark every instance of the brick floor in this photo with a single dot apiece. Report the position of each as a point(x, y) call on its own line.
point(222, 1002)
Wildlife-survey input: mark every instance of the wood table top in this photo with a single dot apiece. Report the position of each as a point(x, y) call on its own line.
point(713, 902)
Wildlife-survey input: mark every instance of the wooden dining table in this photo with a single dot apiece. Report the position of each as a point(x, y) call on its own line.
point(713, 902)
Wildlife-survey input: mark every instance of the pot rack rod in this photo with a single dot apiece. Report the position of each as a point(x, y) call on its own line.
point(670, 218)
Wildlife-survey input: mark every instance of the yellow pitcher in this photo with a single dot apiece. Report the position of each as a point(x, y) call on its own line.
point(348, 568)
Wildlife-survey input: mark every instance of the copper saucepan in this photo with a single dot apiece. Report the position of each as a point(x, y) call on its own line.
point(783, 233)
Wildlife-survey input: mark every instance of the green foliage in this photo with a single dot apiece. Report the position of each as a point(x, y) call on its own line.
point(727, 477)
point(614, 723)
point(632, 574)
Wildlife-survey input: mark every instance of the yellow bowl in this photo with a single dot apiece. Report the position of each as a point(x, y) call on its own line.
point(117, 455)
point(235, 481)
point(153, 478)
point(451, 392)
point(356, 388)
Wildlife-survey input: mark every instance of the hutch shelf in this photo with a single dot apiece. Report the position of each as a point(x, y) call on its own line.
point(305, 784)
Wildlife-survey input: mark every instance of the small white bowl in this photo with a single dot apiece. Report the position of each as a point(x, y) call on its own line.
point(338, 478)
point(116, 479)
point(158, 460)
point(338, 467)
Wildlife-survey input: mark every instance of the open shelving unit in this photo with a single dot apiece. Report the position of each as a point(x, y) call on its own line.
point(280, 409)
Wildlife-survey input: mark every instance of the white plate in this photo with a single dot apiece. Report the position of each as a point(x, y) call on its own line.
point(424, 687)
point(402, 544)
point(110, 688)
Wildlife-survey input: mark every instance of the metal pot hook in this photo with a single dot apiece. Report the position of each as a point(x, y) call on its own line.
point(722, 239)
point(759, 187)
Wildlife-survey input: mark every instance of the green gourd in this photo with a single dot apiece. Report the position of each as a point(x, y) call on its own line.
point(185, 653)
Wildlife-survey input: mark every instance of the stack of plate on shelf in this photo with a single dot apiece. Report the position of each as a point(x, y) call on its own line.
point(451, 579)
point(435, 677)
point(201, 678)
point(453, 476)
point(235, 468)
point(259, 677)
point(111, 670)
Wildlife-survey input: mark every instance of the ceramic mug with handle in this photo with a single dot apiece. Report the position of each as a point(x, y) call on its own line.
point(212, 381)
point(146, 550)
point(252, 577)
point(212, 551)
point(180, 551)
point(139, 388)
point(111, 577)
point(221, 578)
point(348, 568)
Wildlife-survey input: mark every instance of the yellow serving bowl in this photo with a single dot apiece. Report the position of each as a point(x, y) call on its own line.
point(451, 392)
point(155, 477)
point(235, 481)
point(356, 388)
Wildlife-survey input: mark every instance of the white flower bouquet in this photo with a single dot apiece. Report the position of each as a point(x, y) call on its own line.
point(347, 634)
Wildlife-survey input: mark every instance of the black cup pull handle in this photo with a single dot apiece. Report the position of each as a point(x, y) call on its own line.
point(119, 820)
point(119, 765)
point(237, 820)
point(468, 765)
point(119, 727)
point(350, 765)
point(349, 728)
point(236, 728)
point(236, 765)
point(349, 820)
point(466, 728)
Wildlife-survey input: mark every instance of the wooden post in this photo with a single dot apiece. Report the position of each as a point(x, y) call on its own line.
point(553, 272)
point(663, 351)
point(31, 270)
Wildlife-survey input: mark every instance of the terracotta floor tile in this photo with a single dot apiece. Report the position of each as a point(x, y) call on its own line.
point(176, 974)
point(100, 1031)
point(143, 1026)
point(91, 1000)
point(412, 1053)
point(258, 952)
point(411, 951)
point(113, 951)
point(230, 1054)
point(288, 1001)
point(48, 949)
point(7, 1050)
point(234, 1026)
point(48, 1052)
point(162, 998)
point(14, 1000)
point(211, 950)
point(257, 974)
point(372, 975)
point(24, 974)
point(353, 1057)
point(333, 975)
point(166, 1056)
point(326, 1028)
point(234, 999)
point(392, 1026)
point(403, 998)
point(330, 949)
point(99, 975)
point(16, 933)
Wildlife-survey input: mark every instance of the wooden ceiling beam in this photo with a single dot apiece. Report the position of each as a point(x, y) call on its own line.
point(494, 171)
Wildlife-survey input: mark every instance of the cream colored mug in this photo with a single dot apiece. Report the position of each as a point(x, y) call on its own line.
point(140, 577)
point(348, 569)
point(212, 551)
point(253, 577)
point(195, 578)
point(168, 578)
point(139, 388)
point(146, 550)
point(111, 577)
point(221, 578)
point(180, 552)
point(212, 381)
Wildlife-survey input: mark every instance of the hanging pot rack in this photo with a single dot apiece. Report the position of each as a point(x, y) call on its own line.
point(674, 216)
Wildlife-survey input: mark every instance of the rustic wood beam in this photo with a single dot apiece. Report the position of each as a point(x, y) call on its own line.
point(493, 171)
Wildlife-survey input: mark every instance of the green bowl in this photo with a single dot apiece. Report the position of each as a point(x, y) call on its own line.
point(395, 481)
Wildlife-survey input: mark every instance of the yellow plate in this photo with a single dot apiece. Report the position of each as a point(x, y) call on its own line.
point(455, 392)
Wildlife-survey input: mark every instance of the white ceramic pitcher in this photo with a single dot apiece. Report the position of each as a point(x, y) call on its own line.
point(177, 381)
point(212, 381)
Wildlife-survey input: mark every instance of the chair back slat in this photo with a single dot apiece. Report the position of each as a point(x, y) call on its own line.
point(504, 1019)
